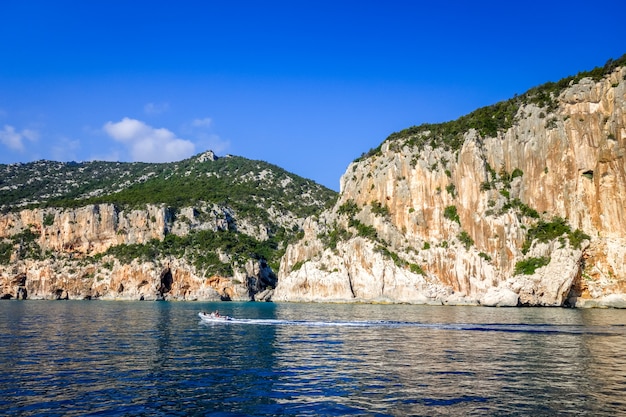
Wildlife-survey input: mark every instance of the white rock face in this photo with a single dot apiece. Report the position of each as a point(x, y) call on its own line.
point(90, 229)
point(500, 297)
point(435, 225)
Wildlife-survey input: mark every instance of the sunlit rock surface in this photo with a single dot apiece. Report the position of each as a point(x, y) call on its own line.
point(70, 268)
point(567, 161)
point(416, 222)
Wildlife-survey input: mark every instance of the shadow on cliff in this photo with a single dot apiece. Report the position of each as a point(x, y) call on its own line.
point(165, 283)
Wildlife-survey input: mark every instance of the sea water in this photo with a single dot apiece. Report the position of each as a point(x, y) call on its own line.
point(67, 358)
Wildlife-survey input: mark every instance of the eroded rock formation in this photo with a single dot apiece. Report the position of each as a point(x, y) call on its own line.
point(67, 262)
point(531, 213)
point(420, 221)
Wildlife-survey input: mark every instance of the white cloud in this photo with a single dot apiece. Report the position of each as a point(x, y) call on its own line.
point(206, 122)
point(13, 139)
point(147, 144)
point(156, 108)
point(127, 130)
point(31, 135)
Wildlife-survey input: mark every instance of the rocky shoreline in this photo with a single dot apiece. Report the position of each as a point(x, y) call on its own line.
point(521, 209)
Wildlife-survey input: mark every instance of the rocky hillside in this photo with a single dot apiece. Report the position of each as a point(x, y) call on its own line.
point(519, 203)
point(202, 228)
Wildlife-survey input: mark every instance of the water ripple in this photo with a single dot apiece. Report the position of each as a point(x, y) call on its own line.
point(120, 359)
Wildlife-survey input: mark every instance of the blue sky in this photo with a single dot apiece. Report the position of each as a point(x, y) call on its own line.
point(306, 85)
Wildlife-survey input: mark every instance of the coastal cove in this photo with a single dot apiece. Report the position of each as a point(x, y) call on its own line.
point(158, 358)
point(290, 209)
point(520, 203)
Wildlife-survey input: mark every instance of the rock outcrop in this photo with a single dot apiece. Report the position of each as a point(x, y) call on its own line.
point(518, 204)
point(205, 228)
point(68, 262)
point(533, 214)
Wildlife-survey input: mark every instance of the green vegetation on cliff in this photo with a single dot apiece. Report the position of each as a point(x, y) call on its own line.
point(488, 121)
point(530, 265)
point(242, 184)
point(6, 249)
point(202, 249)
point(257, 195)
point(556, 228)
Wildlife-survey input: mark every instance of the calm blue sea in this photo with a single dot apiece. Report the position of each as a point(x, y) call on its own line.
point(98, 358)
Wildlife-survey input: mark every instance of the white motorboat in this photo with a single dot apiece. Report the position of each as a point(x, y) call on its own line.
point(213, 317)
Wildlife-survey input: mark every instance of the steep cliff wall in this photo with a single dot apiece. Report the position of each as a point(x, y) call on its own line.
point(201, 228)
point(88, 230)
point(534, 214)
point(58, 253)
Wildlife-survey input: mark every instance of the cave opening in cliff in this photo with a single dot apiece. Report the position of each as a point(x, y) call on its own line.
point(61, 294)
point(166, 281)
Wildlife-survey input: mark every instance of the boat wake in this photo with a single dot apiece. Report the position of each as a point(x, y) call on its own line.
point(608, 330)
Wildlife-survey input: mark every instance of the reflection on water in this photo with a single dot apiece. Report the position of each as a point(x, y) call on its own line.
point(158, 358)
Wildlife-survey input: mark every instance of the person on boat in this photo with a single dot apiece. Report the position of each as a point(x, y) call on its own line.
point(216, 313)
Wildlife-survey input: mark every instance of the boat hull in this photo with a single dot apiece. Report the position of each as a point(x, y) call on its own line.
point(212, 318)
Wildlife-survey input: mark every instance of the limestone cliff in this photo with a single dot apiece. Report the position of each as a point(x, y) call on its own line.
point(200, 229)
point(62, 254)
point(521, 203)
